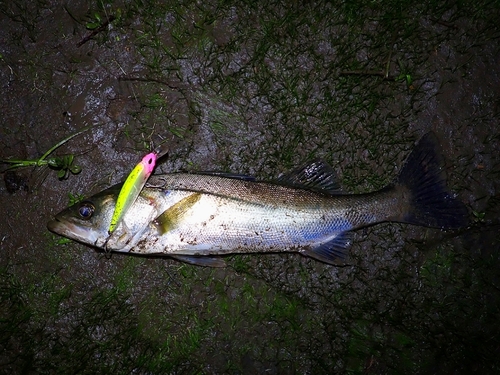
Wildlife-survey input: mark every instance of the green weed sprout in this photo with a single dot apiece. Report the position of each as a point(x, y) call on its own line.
point(63, 164)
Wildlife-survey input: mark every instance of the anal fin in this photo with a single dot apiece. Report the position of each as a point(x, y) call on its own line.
point(333, 251)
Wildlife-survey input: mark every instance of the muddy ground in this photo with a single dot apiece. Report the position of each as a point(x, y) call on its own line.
point(256, 89)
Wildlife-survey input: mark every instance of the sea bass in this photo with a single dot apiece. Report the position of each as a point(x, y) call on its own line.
point(192, 217)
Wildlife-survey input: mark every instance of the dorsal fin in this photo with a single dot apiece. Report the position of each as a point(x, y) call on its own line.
point(317, 176)
point(236, 176)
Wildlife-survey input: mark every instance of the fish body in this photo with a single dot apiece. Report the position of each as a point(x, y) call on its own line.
point(193, 217)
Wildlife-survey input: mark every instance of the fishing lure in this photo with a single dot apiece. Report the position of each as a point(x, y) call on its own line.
point(133, 185)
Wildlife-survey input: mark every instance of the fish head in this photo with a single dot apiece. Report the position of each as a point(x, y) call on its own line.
point(87, 221)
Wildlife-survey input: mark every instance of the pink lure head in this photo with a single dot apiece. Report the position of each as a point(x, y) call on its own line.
point(149, 162)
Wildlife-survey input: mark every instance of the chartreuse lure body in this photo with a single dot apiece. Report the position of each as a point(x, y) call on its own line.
point(131, 188)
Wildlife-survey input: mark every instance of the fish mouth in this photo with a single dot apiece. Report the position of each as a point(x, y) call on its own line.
point(71, 231)
point(53, 226)
point(58, 227)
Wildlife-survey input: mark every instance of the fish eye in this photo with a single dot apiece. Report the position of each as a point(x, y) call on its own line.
point(86, 210)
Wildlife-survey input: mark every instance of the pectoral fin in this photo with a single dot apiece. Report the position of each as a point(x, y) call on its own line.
point(169, 219)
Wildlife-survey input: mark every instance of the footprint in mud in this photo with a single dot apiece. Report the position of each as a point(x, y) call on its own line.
point(14, 182)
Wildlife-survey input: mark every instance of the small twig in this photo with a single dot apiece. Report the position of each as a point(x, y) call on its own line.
point(96, 31)
point(444, 23)
point(387, 65)
point(71, 14)
point(362, 72)
point(384, 75)
point(142, 79)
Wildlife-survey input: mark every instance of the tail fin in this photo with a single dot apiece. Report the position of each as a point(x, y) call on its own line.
point(431, 204)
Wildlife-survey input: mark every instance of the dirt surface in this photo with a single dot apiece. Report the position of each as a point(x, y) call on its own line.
point(254, 89)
